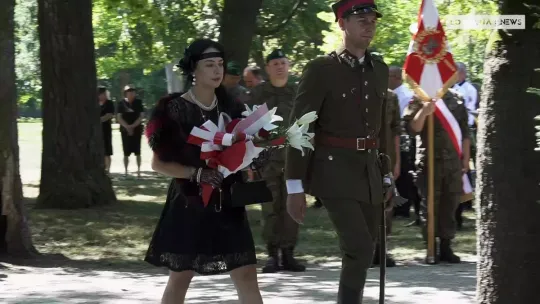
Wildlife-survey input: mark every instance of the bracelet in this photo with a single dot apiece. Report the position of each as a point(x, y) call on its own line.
point(199, 176)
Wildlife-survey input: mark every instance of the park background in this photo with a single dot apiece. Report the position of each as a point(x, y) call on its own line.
point(134, 40)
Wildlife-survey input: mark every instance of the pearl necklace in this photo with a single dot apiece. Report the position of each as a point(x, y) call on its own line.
point(202, 107)
point(200, 104)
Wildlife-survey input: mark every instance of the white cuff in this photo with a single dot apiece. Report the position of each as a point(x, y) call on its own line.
point(294, 186)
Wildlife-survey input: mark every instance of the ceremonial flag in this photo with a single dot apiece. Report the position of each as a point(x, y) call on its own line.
point(430, 70)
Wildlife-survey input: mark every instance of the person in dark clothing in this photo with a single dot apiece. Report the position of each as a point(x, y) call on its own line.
point(191, 237)
point(106, 116)
point(130, 115)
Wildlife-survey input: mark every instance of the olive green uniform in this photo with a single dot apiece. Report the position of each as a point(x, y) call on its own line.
point(279, 229)
point(447, 165)
point(389, 131)
point(344, 171)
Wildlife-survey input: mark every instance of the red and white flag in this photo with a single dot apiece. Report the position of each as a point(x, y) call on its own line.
point(431, 71)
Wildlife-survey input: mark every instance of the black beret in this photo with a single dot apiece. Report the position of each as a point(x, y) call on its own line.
point(276, 54)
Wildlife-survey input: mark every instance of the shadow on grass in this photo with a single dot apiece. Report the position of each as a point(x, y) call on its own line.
point(116, 237)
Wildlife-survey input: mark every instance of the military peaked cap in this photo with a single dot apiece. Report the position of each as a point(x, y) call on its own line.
point(346, 8)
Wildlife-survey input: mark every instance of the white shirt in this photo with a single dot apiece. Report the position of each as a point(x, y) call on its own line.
point(295, 185)
point(470, 95)
point(404, 96)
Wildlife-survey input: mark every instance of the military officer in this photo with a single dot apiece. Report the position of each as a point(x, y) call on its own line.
point(280, 231)
point(390, 145)
point(347, 89)
point(231, 82)
point(448, 167)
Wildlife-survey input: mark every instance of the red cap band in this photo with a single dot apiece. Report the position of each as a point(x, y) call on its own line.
point(347, 6)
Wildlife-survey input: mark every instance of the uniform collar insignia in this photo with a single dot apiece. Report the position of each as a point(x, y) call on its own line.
point(351, 60)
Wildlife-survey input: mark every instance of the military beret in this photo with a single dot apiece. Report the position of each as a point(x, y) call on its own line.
point(276, 54)
point(345, 8)
point(233, 68)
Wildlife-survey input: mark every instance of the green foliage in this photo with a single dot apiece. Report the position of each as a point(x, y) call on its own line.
point(301, 36)
point(27, 65)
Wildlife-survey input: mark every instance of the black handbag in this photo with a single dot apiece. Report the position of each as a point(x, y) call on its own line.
point(250, 193)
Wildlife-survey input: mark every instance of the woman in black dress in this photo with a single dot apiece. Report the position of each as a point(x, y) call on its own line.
point(107, 113)
point(130, 114)
point(189, 237)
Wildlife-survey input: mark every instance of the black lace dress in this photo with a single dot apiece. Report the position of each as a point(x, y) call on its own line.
point(188, 235)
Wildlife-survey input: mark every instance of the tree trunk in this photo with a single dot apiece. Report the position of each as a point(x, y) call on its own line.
point(72, 172)
point(15, 238)
point(508, 167)
point(238, 25)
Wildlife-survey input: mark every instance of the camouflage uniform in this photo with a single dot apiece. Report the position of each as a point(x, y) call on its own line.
point(280, 231)
point(389, 131)
point(448, 171)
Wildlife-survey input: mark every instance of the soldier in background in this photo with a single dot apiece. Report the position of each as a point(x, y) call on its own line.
point(390, 145)
point(280, 231)
point(231, 82)
point(449, 168)
point(252, 77)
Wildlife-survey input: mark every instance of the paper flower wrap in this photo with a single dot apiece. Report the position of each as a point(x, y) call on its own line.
point(232, 145)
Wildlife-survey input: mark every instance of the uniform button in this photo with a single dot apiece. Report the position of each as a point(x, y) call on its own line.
point(367, 110)
point(344, 95)
point(365, 82)
point(330, 157)
point(362, 69)
point(367, 96)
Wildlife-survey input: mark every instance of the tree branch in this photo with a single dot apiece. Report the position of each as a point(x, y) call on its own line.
point(270, 32)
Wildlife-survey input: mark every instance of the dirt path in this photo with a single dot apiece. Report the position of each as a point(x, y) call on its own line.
point(418, 284)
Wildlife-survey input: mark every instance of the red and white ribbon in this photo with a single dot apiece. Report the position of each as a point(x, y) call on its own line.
point(217, 146)
point(451, 125)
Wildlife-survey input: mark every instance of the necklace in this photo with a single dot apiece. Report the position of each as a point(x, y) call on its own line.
point(202, 106)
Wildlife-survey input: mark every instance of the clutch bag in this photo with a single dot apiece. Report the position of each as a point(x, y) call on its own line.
point(249, 193)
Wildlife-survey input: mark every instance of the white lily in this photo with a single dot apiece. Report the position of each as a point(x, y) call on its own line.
point(298, 137)
point(307, 118)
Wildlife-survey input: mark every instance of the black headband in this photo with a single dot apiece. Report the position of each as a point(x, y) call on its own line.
point(209, 55)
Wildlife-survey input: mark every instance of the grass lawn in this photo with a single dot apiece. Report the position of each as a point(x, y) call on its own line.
point(119, 234)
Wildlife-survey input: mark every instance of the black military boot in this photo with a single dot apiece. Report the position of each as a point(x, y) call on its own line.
point(347, 295)
point(288, 261)
point(390, 262)
point(272, 264)
point(446, 253)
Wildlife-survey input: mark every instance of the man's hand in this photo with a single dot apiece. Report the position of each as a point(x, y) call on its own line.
point(129, 130)
point(465, 165)
point(296, 206)
point(397, 170)
point(428, 108)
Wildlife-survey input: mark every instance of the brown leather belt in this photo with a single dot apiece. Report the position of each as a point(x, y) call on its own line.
point(359, 144)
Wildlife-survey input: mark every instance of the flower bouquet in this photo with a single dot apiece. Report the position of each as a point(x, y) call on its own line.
point(232, 145)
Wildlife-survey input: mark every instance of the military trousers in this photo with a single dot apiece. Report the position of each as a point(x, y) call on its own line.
point(279, 229)
point(356, 224)
point(447, 196)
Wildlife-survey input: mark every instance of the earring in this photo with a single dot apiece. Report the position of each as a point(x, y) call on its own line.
point(194, 82)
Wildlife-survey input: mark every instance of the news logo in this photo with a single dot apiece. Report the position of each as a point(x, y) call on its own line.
point(484, 22)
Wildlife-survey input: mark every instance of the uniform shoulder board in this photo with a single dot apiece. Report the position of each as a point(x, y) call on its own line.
point(377, 57)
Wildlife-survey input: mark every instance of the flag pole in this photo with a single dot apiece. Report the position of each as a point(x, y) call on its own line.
point(431, 251)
